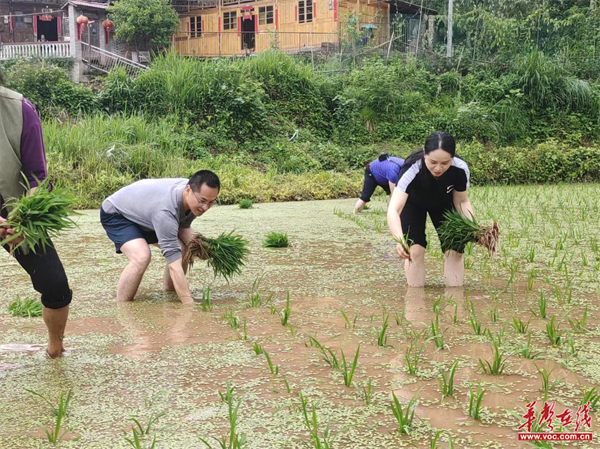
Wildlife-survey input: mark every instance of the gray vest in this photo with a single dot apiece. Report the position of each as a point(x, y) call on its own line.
point(11, 128)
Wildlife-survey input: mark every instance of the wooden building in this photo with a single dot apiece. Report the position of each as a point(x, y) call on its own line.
point(31, 21)
point(235, 27)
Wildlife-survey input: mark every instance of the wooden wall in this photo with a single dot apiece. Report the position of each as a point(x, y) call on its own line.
point(286, 32)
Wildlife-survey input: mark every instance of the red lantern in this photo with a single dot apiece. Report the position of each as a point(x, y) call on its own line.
point(82, 21)
point(107, 24)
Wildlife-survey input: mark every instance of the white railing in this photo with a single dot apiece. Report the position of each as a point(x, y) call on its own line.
point(105, 61)
point(35, 50)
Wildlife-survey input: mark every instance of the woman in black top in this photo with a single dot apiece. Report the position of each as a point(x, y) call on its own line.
point(432, 181)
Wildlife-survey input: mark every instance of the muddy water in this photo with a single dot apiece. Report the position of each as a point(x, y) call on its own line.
point(152, 356)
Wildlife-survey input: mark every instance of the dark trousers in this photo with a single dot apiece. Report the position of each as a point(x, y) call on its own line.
point(47, 276)
point(369, 186)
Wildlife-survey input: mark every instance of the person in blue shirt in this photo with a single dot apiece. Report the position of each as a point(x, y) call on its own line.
point(382, 172)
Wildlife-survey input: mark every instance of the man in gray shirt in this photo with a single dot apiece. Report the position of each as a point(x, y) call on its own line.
point(157, 211)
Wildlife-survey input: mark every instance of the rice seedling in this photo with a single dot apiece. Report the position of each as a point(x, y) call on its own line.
point(525, 350)
point(141, 433)
point(347, 324)
point(437, 305)
point(27, 307)
point(457, 230)
point(545, 377)
point(285, 313)
point(311, 423)
point(455, 314)
point(498, 364)
point(475, 399)
point(476, 324)
point(234, 439)
point(493, 314)
point(274, 369)
point(498, 337)
point(245, 203)
point(405, 418)
point(273, 310)
point(38, 217)
point(571, 347)
point(366, 392)
point(56, 434)
point(591, 397)
point(553, 332)
point(276, 240)
point(531, 280)
point(254, 297)
point(412, 355)
point(404, 243)
point(542, 305)
point(225, 254)
point(232, 320)
point(258, 349)
point(287, 384)
point(381, 337)
point(226, 397)
point(578, 325)
point(447, 381)
point(519, 325)
point(437, 335)
point(244, 334)
point(348, 369)
point(206, 302)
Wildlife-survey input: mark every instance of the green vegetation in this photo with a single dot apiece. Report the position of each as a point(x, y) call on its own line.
point(27, 307)
point(37, 217)
point(276, 240)
point(56, 434)
point(245, 203)
point(405, 418)
point(275, 129)
point(226, 254)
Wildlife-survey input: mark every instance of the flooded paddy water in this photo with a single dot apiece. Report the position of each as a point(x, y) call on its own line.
point(155, 356)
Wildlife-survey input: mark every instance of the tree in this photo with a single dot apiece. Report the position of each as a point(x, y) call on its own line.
point(146, 24)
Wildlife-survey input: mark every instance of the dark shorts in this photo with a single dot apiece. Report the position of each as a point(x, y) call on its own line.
point(121, 230)
point(413, 219)
point(47, 276)
point(370, 184)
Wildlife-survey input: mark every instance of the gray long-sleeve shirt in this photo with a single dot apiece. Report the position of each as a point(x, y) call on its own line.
point(157, 205)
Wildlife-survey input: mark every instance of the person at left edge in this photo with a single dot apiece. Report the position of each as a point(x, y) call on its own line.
point(382, 172)
point(22, 153)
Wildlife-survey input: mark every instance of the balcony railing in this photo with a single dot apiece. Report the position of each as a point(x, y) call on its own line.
point(35, 50)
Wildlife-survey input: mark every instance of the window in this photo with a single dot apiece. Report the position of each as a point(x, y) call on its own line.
point(195, 26)
point(230, 20)
point(305, 11)
point(265, 15)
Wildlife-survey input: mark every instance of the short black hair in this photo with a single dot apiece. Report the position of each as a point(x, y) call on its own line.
point(198, 179)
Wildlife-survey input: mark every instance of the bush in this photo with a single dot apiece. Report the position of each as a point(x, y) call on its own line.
point(49, 88)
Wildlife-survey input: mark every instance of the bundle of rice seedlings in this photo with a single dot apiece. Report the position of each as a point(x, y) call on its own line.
point(27, 307)
point(276, 240)
point(457, 230)
point(38, 217)
point(405, 245)
point(225, 254)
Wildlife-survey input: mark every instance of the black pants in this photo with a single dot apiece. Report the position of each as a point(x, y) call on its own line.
point(47, 276)
point(413, 219)
point(370, 184)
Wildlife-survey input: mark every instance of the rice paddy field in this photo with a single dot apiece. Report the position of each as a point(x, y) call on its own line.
point(320, 344)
